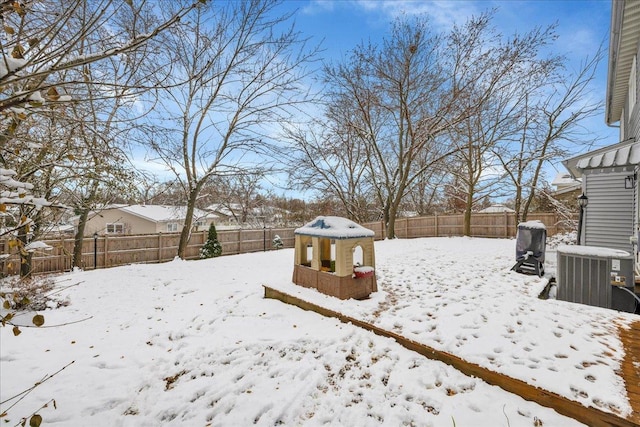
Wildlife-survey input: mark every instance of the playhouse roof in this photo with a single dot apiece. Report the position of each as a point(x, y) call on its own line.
point(334, 227)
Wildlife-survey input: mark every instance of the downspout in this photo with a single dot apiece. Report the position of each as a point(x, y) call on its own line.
point(636, 221)
point(617, 12)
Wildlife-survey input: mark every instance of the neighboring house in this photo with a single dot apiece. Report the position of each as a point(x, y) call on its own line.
point(58, 230)
point(564, 181)
point(610, 175)
point(143, 219)
point(257, 217)
point(496, 209)
point(567, 189)
point(229, 215)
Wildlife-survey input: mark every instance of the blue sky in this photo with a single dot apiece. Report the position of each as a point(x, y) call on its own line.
point(582, 26)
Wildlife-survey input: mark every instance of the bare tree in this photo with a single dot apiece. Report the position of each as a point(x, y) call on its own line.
point(551, 121)
point(495, 74)
point(403, 98)
point(329, 158)
point(239, 194)
point(44, 39)
point(47, 52)
point(99, 172)
point(387, 103)
point(426, 195)
point(234, 78)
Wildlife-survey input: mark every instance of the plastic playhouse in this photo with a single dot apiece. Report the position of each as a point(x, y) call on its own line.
point(324, 258)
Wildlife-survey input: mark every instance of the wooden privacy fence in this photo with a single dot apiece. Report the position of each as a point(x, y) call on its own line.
point(112, 251)
point(482, 225)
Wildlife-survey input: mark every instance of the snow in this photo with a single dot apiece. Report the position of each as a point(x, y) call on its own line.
point(496, 209)
point(334, 227)
point(619, 155)
point(532, 225)
point(196, 343)
point(593, 251)
point(37, 245)
point(10, 64)
point(564, 179)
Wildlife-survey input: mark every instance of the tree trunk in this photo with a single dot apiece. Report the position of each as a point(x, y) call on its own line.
point(518, 206)
point(185, 235)
point(391, 227)
point(78, 239)
point(25, 257)
point(467, 214)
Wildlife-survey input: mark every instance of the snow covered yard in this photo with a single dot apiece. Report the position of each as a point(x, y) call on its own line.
point(195, 343)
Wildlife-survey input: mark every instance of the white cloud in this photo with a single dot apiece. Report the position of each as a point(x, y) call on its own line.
point(443, 13)
point(318, 6)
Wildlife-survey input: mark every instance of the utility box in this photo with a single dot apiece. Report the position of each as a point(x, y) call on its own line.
point(595, 276)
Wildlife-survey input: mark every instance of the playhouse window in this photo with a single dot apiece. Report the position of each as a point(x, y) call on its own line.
point(358, 258)
point(309, 253)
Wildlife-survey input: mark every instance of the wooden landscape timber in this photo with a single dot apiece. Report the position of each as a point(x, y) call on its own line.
point(585, 414)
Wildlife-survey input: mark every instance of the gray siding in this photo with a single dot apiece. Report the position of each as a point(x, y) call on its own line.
point(632, 128)
point(609, 215)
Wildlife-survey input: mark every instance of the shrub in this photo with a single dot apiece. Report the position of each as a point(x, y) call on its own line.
point(277, 242)
point(212, 247)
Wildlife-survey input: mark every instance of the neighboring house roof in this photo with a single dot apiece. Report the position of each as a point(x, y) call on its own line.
point(496, 209)
point(60, 229)
point(625, 153)
point(564, 180)
point(224, 210)
point(236, 210)
point(161, 213)
point(623, 46)
point(565, 183)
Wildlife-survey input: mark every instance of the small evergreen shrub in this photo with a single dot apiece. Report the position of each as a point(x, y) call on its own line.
point(212, 247)
point(277, 242)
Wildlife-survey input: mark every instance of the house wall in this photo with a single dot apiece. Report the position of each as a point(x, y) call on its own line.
point(132, 224)
point(610, 214)
point(162, 226)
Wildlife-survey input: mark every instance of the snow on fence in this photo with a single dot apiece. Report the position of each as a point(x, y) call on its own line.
point(112, 251)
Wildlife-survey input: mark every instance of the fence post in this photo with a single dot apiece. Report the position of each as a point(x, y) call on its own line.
point(95, 250)
point(239, 240)
point(106, 249)
point(62, 265)
point(437, 232)
point(159, 247)
point(506, 224)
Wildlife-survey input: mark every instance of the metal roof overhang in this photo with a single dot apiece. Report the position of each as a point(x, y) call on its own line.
point(623, 45)
point(625, 153)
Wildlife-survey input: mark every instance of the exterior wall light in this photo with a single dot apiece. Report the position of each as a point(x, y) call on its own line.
point(583, 201)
